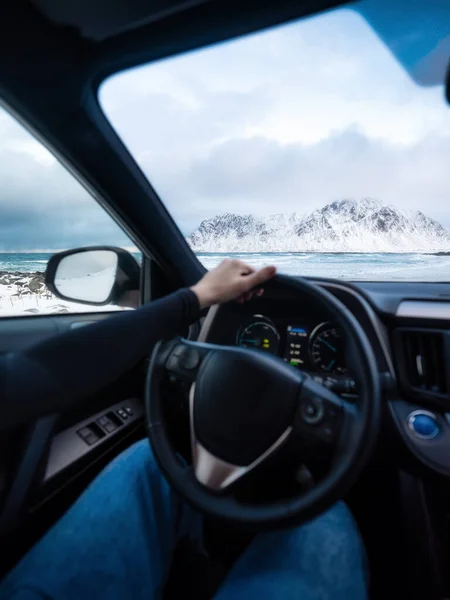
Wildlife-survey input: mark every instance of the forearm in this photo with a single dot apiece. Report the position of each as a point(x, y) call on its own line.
point(54, 374)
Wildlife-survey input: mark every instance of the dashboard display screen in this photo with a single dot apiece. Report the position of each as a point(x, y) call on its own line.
point(312, 345)
point(296, 348)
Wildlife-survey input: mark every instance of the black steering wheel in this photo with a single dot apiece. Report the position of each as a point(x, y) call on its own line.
point(244, 406)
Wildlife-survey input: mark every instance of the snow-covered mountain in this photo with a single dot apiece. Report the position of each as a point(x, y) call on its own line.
point(344, 226)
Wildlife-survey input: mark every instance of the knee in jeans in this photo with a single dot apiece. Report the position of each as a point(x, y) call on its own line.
point(138, 460)
point(335, 530)
point(321, 537)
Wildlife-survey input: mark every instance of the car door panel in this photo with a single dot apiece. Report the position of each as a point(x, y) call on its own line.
point(72, 444)
point(47, 455)
point(19, 333)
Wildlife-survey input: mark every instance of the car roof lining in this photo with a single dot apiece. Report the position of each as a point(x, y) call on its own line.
point(124, 33)
point(101, 19)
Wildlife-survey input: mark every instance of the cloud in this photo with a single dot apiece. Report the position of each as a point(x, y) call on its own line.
point(263, 176)
point(42, 205)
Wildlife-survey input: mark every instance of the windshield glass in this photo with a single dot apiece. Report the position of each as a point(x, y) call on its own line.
point(309, 146)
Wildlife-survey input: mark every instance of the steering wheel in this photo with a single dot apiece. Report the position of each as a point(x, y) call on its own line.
point(244, 405)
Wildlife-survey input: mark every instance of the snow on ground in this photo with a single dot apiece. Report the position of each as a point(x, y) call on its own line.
point(26, 294)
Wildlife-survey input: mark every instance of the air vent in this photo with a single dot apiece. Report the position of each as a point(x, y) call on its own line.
point(422, 360)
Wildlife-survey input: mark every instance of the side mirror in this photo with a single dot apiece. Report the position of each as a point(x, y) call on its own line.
point(97, 275)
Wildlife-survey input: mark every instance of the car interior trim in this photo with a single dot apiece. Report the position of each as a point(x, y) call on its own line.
point(416, 309)
point(207, 323)
point(418, 413)
point(85, 437)
point(432, 452)
point(372, 318)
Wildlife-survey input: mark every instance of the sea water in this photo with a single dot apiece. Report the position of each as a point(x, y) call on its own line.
point(29, 262)
point(352, 266)
point(368, 266)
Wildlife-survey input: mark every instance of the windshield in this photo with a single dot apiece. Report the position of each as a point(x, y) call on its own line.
point(309, 146)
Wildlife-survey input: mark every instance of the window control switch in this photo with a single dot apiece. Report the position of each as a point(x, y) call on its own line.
point(91, 439)
point(84, 432)
point(87, 435)
point(109, 422)
point(110, 427)
point(91, 433)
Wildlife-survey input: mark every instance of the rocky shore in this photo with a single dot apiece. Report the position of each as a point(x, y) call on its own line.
point(26, 293)
point(26, 283)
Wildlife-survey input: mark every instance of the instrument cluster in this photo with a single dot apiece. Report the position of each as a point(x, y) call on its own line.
point(311, 347)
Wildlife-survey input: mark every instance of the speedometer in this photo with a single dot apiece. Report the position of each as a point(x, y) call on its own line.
point(260, 334)
point(326, 349)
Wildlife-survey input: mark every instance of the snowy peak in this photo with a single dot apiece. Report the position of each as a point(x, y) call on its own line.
point(366, 225)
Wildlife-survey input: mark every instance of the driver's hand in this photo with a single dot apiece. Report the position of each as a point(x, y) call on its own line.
point(231, 280)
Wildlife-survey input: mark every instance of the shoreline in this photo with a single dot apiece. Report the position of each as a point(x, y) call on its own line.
point(303, 252)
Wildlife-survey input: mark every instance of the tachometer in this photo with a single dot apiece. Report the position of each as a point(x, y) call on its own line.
point(326, 349)
point(260, 334)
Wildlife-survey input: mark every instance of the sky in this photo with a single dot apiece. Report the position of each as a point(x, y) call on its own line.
point(286, 120)
point(42, 206)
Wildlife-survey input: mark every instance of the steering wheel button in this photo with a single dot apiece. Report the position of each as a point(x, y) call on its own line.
point(312, 411)
point(332, 413)
point(328, 431)
point(190, 359)
point(173, 362)
point(423, 424)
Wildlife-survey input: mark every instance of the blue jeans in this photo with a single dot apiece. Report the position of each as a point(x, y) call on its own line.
point(117, 541)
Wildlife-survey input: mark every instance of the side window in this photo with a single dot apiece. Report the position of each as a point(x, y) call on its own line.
point(43, 210)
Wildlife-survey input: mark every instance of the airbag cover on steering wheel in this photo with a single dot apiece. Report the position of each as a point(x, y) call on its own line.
point(243, 404)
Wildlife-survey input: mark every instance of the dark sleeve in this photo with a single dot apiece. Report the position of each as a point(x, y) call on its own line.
point(61, 371)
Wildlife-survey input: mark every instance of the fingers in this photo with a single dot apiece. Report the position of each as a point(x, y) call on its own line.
point(244, 268)
point(259, 277)
point(246, 296)
point(249, 295)
point(235, 263)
